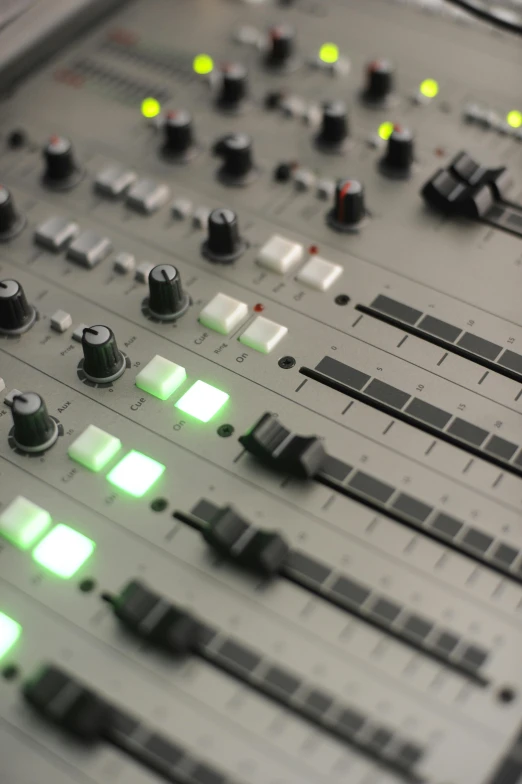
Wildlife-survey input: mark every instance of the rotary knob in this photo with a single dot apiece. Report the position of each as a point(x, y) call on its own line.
point(103, 362)
point(378, 91)
point(349, 211)
point(234, 88)
point(33, 429)
point(16, 314)
point(334, 128)
point(398, 159)
point(11, 223)
point(61, 170)
point(167, 300)
point(179, 142)
point(238, 161)
point(280, 53)
point(224, 243)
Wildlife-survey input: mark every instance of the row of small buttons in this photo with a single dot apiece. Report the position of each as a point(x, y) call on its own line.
point(144, 195)
point(223, 314)
point(281, 255)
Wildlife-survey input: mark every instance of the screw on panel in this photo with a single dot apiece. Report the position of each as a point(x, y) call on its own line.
point(342, 299)
point(286, 363)
point(225, 431)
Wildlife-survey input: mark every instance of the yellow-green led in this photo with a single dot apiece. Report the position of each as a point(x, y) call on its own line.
point(329, 53)
point(514, 118)
point(150, 107)
point(63, 551)
point(385, 130)
point(10, 631)
point(202, 401)
point(429, 88)
point(203, 64)
point(135, 473)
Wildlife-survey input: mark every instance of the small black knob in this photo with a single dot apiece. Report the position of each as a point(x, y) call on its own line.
point(334, 127)
point(281, 46)
point(349, 210)
point(234, 87)
point(16, 314)
point(61, 169)
point(10, 221)
point(238, 162)
point(224, 243)
point(398, 159)
point(379, 83)
point(33, 429)
point(103, 362)
point(179, 135)
point(167, 300)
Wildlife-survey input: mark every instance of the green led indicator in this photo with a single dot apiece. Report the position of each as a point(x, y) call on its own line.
point(63, 551)
point(150, 107)
point(203, 64)
point(202, 401)
point(385, 130)
point(329, 53)
point(135, 473)
point(429, 88)
point(10, 631)
point(514, 118)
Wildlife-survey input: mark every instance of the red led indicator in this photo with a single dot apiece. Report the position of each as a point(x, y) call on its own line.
point(313, 249)
point(259, 308)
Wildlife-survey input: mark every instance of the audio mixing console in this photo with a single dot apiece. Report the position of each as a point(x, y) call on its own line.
point(260, 393)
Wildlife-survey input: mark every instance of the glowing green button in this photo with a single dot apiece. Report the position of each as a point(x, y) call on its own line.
point(329, 53)
point(23, 522)
point(63, 551)
point(514, 118)
point(10, 631)
point(202, 401)
point(150, 107)
point(94, 448)
point(429, 88)
point(136, 473)
point(385, 130)
point(203, 64)
point(161, 377)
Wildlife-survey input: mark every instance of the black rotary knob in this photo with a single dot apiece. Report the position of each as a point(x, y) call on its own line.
point(349, 209)
point(398, 159)
point(16, 314)
point(61, 170)
point(281, 47)
point(179, 135)
point(334, 127)
point(379, 83)
point(33, 429)
point(103, 362)
point(10, 221)
point(238, 161)
point(167, 300)
point(224, 243)
point(234, 87)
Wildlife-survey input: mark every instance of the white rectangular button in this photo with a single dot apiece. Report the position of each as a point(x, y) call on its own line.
point(200, 217)
point(143, 271)
point(114, 180)
point(61, 321)
point(78, 332)
point(181, 208)
point(223, 313)
point(319, 273)
point(2, 384)
point(89, 249)
point(263, 335)
point(147, 196)
point(280, 254)
point(56, 232)
point(124, 262)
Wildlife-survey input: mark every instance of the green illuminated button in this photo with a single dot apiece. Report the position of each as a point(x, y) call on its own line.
point(94, 448)
point(161, 377)
point(22, 522)
point(136, 473)
point(202, 401)
point(63, 551)
point(10, 631)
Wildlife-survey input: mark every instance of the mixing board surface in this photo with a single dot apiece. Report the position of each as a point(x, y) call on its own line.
point(261, 398)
